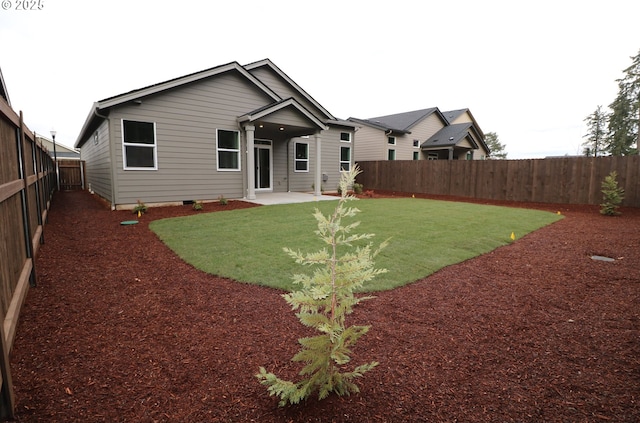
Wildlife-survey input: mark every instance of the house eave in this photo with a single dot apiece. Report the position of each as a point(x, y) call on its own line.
point(379, 126)
point(88, 123)
point(103, 106)
point(290, 102)
point(173, 83)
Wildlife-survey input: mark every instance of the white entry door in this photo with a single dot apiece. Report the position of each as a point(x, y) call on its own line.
point(263, 163)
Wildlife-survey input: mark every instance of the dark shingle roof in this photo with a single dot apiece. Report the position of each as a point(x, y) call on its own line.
point(452, 115)
point(399, 122)
point(448, 136)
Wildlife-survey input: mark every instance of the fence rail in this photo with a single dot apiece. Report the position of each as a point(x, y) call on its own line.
point(27, 182)
point(567, 180)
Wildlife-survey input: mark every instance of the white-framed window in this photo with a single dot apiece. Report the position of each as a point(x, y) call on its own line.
point(301, 162)
point(345, 158)
point(416, 155)
point(391, 140)
point(416, 143)
point(391, 155)
point(345, 137)
point(469, 155)
point(139, 148)
point(432, 156)
point(228, 150)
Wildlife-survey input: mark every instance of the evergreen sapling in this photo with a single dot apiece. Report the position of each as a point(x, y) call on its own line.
point(612, 195)
point(323, 301)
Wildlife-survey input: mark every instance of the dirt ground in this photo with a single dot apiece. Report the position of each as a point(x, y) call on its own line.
point(121, 330)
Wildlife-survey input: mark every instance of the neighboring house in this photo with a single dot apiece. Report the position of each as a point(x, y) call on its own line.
point(4, 94)
point(61, 152)
point(420, 135)
point(227, 131)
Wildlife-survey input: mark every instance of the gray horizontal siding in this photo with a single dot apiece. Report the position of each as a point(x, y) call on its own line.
point(186, 121)
point(98, 163)
point(372, 143)
point(330, 149)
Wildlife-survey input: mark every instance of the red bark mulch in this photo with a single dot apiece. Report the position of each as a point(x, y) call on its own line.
point(121, 330)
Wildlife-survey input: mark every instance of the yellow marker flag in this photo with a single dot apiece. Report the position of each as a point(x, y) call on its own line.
point(139, 213)
point(513, 236)
point(559, 213)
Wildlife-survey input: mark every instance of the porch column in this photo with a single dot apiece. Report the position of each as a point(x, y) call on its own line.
point(450, 153)
point(251, 163)
point(318, 177)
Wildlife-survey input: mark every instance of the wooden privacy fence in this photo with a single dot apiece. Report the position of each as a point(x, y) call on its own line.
point(567, 180)
point(71, 174)
point(27, 182)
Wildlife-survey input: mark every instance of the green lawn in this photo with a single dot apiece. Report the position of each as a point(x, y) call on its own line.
point(425, 235)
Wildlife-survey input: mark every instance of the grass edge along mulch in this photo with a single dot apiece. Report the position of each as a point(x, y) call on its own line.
point(425, 236)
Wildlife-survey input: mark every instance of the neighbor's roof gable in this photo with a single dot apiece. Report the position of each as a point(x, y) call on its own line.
point(3, 89)
point(400, 122)
point(452, 115)
point(450, 136)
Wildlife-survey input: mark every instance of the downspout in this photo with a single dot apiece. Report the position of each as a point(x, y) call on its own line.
point(111, 158)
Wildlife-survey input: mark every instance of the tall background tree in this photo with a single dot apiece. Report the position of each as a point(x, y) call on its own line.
point(497, 150)
point(596, 133)
point(625, 109)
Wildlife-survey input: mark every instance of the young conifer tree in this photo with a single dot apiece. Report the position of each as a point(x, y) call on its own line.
point(324, 300)
point(612, 195)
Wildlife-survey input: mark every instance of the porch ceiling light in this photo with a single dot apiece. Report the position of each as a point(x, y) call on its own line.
point(282, 128)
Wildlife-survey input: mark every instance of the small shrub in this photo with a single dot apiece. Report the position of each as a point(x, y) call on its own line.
point(324, 300)
point(357, 188)
point(197, 205)
point(612, 195)
point(223, 201)
point(140, 208)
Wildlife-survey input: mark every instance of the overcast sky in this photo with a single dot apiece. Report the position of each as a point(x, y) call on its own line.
point(530, 71)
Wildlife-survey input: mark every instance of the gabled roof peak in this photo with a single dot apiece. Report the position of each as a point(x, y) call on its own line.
point(452, 115)
point(401, 122)
point(182, 80)
point(3, 90)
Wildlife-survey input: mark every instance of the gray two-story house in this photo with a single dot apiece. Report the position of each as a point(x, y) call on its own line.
point(426, 134)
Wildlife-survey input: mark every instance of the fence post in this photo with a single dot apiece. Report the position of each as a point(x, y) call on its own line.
point(24, 194)
point(38, 183)
point(7, 396)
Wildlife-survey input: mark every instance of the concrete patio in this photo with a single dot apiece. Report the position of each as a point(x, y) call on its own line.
point(270, 198)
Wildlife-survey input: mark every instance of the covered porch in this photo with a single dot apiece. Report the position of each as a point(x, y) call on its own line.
point(274, 163)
